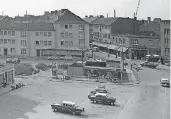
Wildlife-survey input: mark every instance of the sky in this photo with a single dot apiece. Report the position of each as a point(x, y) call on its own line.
point(124, 8)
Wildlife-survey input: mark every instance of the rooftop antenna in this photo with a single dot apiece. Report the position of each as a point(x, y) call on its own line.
point(26, 12)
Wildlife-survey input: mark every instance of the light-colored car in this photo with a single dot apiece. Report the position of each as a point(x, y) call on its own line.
point(52, 58)
point(101, 89)
point(165, 82)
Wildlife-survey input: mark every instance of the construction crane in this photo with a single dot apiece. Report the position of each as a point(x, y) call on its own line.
point(135, 15)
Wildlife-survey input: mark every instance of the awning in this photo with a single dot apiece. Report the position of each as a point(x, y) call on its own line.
point(124, 49)
point(100, 44)
point(113, 47)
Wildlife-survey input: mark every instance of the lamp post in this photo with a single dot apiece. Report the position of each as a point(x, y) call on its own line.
point(122, 63)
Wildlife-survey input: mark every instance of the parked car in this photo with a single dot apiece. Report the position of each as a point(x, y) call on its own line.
point(13, 60)
point(165, 82)
point(101, 89)
point(144, 63)
point(102, 98)
point(67, 107)
point(92, 93)
point(52, 58)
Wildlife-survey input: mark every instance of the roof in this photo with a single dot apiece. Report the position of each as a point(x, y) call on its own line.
point(68, 102)
point(124, 49)
point(8, 25)
point(100, 44)
point(26, 18)
point(102, 94)
point(90, 19)
point(70, 18)
point(113, 47)
point(104, 21)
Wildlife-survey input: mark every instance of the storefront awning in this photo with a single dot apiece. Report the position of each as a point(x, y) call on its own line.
point(100, 44)
point(113, 47)
point(124, 49)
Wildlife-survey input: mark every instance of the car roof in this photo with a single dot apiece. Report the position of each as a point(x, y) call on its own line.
point(102, 94)
point(164, 79)
point(68, 102)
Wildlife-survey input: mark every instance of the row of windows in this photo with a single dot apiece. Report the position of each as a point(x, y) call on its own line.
point(12, 50)
point(134, 41)
point(44, 43)
point(43, 34)
point(23, 33)
point(23, 42)
point(100, 26)
point(23, 51)
point(66, 35)
point(5, 33)
point(7, 41)
point(104, 35)
point(67, 43)
point(69, 26)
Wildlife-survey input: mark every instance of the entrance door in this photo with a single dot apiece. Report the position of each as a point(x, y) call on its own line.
point(5, 51)
point(38, 53)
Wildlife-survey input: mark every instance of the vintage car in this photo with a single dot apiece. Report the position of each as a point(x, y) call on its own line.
point(102, 98)
point(92, 93)
point(143, 64)
point(12, 60)
point(165, 82)
point(101, 89)
point(67, 107)
point(52, 58)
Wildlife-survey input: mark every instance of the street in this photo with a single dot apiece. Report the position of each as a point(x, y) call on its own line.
point(147, 100)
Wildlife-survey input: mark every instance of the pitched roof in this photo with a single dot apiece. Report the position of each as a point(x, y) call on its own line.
point(70, 18)
point(11, 25)
point(26, 18)
point(90, 19)
point(104, 21)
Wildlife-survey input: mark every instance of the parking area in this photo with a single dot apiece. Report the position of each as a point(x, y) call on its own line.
point(44, 91)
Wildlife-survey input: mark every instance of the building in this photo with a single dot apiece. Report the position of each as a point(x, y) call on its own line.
point(26, 19)
point(165, 37)
point(25, 39)
point(136, 46)
point(7, 74)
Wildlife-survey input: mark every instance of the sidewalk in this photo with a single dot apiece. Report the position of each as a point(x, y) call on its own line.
point(5, 90)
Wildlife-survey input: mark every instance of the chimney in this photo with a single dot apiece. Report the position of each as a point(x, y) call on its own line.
point(149, 19)
point(107, 15)
point(114, 13)
point(26, 12)
point(86, 16)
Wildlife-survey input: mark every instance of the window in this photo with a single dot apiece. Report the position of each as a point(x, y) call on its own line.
point(49, 34)
point(5, 41)
point(66, 26)
point(81, 27)
point(9, 33)
point(49, 42)
point(62, 42)
point(150, 42)
point(70, 35)
point(37, 42)
point(1, 41)
point(70, 26)
point(13, 33)
point(45, 42)
point(108, 36)
point(37, 33)
point(70, 43)
point(62, 35)
point(5, 32)
point(66, 35)
point(45, 33)
point(66, 43)
point(23, 51)
point(81, 34)
point(1, 32)
point(41, 42)
point(9, 41)
point(23, 33)
point(13, 41)
point(41, 33)
point(62, 26)
point(23, 42)
point(12, 49)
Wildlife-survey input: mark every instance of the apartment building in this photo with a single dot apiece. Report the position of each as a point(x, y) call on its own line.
point(71, 34)
point(165, 37)
point(25, 39)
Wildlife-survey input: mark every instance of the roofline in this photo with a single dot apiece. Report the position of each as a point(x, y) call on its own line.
point(137, 36)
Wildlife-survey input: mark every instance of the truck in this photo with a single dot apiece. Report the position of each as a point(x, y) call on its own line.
point(102, 98)
point(67, 107)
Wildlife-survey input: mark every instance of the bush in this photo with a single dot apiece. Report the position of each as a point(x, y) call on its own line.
point(23, 69)
point(42, 66)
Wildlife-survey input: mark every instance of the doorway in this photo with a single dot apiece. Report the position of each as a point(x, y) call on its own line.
point(5, 51)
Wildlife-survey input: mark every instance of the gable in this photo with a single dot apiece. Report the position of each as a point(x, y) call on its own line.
point(70, 18)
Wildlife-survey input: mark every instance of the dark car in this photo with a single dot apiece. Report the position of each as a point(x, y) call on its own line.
point(67, 107)
point(103, 99)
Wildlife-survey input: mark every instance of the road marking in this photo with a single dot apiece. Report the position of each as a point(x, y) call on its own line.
point(120, 115)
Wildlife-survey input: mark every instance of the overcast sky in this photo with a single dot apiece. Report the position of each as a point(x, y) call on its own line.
point(124, 8)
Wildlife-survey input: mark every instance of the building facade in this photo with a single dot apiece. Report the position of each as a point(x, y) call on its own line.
point(20, 39)
point(165, 37)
